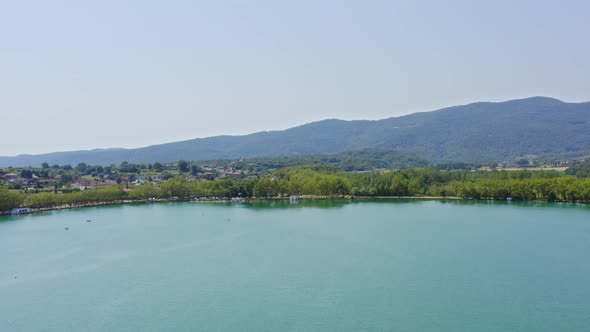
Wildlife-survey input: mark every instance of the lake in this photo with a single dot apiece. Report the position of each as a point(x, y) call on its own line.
point(390, 265)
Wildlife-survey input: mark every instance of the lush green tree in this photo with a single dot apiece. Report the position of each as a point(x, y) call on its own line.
point(66, 178)
point(175, 188)
point(144, 191)
point(183, 166)
point(196, 169)
point(265, 187)
point(581, 170)
point(126, 167)
point(10, 199)
point(81, 167)
point(26, 173)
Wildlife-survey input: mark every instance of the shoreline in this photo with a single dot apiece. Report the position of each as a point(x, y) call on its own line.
point(215, 199)
point(255, 199)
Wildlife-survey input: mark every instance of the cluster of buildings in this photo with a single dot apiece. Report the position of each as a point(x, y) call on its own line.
point(84, 184)
point(15, 179)
point(212, 172)
point(206, 172)
point(213, 175)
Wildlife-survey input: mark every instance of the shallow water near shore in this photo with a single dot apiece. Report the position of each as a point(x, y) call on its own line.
point(329, 265)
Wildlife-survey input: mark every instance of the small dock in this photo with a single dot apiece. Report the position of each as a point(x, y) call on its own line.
point(19, 211)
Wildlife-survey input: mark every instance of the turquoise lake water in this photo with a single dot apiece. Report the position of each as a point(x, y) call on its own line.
point(313, 266)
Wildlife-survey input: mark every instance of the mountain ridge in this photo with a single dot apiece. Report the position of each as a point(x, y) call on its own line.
point(492, 131)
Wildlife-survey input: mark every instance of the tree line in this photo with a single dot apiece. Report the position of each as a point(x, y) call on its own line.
point(326, 181)
point(580, 170)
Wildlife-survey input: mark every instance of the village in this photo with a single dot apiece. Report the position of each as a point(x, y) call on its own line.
point(61, 179)
point(66, 178)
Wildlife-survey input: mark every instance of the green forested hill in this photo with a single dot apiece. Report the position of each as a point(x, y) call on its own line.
point(475, 132)
point(355, 160)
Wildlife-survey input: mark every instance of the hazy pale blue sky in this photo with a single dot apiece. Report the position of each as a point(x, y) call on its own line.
point(82, 74)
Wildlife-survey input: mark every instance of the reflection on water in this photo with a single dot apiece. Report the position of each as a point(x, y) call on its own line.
point(261, 205)
point(284, 204)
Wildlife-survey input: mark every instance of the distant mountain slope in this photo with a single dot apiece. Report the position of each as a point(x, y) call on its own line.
point(355, 160)
point(475, 132)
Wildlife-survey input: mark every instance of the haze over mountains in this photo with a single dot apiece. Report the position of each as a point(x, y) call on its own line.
point(484, 131)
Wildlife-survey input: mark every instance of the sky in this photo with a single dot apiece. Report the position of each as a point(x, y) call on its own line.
point(100, 74)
